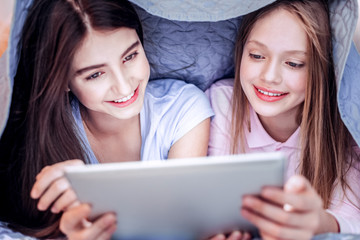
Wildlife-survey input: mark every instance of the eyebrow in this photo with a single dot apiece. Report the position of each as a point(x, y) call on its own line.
point(85, 69)
point(264, 46)
point(135, 44)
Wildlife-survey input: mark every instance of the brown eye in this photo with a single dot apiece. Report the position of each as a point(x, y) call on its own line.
point(294, 65)
point(256, 56)
point(130, 57)
point(94, 75)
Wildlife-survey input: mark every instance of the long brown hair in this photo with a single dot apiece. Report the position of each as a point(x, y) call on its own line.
point(41, 129)
point(325, 141)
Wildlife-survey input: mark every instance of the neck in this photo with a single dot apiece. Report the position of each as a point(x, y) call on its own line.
point(106, 125)
point(110, 137)
point(280, 129)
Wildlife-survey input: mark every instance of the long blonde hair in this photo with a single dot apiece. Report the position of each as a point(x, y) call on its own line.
point(325, 141)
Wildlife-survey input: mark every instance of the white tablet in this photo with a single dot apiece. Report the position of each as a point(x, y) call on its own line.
point(176, 199)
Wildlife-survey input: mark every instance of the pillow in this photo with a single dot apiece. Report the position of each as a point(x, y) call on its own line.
point(196, 52)
point(348, 94)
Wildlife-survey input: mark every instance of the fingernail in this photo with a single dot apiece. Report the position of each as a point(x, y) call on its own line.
point(288, 207)
point(296, 181)
point(235, 235)
point(40, 207)
point(33, 194)
point(54, 210)
point(244, 212)
point(247, 201)
point(112, 229)
point(267, 192)
point(219, 237)
point(110, 219)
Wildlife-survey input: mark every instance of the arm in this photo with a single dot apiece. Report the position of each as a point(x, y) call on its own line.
point(184, 122)
point(220, 95)
point(192, 144)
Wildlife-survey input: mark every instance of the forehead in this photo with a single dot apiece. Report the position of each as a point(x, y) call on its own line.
point(101, 46)
point(280, 30)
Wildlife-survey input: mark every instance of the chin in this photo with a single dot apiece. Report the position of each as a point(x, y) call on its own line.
point(266, 111)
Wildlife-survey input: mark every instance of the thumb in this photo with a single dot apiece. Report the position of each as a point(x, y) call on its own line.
point(297, 184)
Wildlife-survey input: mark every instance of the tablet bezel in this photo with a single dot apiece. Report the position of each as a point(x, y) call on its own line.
point(180, 198)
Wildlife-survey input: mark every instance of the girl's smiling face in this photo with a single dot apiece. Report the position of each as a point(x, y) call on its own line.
point(274, 66)
point(111, 72)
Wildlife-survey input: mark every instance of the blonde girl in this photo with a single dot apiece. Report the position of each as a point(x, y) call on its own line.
point(284, 98)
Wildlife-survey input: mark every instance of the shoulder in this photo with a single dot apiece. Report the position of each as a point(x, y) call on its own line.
point(220, 95)
point(221, 89)
point(171, 109)
point(223, 84)
point(176, 103)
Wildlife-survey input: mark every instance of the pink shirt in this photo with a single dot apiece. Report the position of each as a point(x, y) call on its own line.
point(258, 140)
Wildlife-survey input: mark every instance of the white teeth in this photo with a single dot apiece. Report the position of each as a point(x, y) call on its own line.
point(270, 94)
point(124, 99)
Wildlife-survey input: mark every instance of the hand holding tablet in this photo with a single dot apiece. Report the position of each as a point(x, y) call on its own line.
point(182, 198)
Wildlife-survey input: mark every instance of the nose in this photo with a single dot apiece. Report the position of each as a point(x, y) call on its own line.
point(271, 72)
point(121, 84)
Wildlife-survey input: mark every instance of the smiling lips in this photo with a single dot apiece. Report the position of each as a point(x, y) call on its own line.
point(126, 101)
point(269, 96)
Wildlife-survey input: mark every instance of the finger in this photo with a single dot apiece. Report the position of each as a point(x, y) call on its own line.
point(48, 174)
point(265, 236)
point(66, 200)
point(102, 228)
point(297, 184)
point(278, 214)
point(219, 237)
point(56, 189)
point(235, 235)
point(49, 170)
point(274, 229)
point(71, 220)
point(107, 234)
point(246, 236)
point(72, 205)
point(301, 202)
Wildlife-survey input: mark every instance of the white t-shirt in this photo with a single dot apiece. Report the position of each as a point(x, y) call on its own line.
point(171, 109)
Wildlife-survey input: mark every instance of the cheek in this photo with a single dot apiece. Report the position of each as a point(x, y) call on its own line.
point(142, 69)
point(297, 83)
point(247, 72)
point(88, 93)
